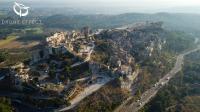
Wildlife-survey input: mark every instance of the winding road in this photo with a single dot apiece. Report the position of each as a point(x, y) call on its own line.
point(86, 92)
point(150, 93)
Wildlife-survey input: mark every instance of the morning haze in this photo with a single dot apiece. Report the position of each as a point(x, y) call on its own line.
point(99, 55)
point(119, 6)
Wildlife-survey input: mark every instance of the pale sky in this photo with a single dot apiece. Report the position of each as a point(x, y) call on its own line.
point(134, 4)
point(128, 5)
point(139, 2)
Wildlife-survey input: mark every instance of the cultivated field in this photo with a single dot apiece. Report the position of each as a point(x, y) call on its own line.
point(12, 42)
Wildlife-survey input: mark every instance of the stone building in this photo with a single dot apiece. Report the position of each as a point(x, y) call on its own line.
point(54, 45)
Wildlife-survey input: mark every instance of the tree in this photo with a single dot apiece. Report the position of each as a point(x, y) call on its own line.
point(52, 73)
point(3, 56)
point(5, 105)
point(68, 70)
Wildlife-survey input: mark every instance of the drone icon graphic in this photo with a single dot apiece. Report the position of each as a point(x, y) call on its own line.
point(20, 9)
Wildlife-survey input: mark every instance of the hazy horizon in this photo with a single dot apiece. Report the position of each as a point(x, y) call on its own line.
point(118, 6)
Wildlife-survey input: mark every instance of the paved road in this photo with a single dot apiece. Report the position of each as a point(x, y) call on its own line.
point(147, 95)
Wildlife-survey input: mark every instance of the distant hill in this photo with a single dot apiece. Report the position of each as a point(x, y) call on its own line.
point(179, 21)
point(186, 9)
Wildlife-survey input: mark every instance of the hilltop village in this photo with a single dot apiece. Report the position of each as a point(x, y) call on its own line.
point(72, 65)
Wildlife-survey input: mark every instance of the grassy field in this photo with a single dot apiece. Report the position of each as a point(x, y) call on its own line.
point(6, 41)
point(15, 44)
point(36, 30)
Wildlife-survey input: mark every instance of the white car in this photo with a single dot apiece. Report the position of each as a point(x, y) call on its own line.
point(162, 83)
point(168, 78)
point(155, 85)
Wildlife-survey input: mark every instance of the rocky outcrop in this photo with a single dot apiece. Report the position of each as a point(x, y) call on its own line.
point(124, 48)
point(138, 41)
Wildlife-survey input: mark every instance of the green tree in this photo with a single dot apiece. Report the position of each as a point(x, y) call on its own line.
point(5, 105)
point(3, 56)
